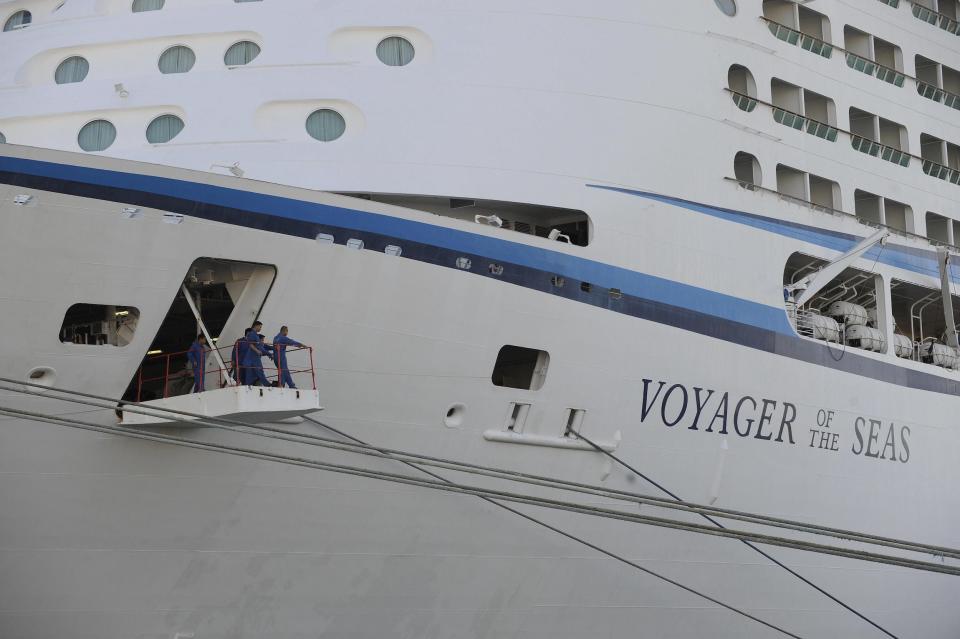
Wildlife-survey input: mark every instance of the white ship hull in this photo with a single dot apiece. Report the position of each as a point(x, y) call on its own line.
point(104, 535)
point(668, 330)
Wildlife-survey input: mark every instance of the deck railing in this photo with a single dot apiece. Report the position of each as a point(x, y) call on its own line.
point(170, 374)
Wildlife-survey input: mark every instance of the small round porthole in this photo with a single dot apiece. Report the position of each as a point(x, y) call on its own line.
point(729, 7)
point(454, 416)
point(43, 375)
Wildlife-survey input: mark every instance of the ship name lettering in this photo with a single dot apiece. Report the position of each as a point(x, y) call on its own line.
point(876, 441)
point(675, 404)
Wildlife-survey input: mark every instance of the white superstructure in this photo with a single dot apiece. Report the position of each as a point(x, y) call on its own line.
point(497, 224)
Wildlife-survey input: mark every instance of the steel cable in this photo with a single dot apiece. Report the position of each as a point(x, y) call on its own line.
point(760, 551)
point(508, 496)
point(52, 419)
point(364, 449)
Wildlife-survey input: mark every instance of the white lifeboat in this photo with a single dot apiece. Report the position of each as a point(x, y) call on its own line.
point(848, 313)
point(865, 337)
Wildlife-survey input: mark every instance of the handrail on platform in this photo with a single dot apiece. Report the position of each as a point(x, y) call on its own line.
point(171, 375)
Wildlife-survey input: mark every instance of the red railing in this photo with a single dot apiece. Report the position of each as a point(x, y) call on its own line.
point(170, 374)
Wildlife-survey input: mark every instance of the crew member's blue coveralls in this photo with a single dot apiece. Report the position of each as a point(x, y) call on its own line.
point(198, 361)
point(280, 343)
point(252, 365)
point(239, 355)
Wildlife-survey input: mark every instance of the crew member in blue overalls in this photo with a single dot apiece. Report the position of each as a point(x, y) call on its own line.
point(280, 343)
point(238, 371)
point(197, 357)
point(252, 366)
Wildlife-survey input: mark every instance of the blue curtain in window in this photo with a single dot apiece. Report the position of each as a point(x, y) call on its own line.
point(147, 5)
point(73, 69)
point(395, 51)
point(326, 125)
point(163, 129)
point(18, 20)
point(177, 60)
point(97, 135)
point(241, 53)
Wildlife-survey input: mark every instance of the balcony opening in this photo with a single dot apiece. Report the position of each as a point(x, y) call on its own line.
point(520, 367)
point(947, 8)
point(953, 156)
point(792, 183)
point(857, 42)
point(798, 25)
point(898, 215)
point(940, 228)
point(892, 134)
point(740, 81)
point(813, 23)
point(569, 226)
point(927, 70)
point(824, 193)
point(933, 149)
point(887, 54)
point(746, 169)
point(868, 207)
point(863, 124)
point(786, 96)
point(819, 107)
point(951, 83)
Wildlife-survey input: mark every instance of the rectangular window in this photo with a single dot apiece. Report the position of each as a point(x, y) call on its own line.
point(519, 367)
point(99, 325)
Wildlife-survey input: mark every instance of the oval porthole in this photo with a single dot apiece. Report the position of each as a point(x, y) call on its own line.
point(96, 136)
point(73, 69)
point(178, 59)
point(395, 51)
point(454, 416)
point(163, 129)
point(729, 7)
point(325, 125)
point(241, 53)
point(43, 375)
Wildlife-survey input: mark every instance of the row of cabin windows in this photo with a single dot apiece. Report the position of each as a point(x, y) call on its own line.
point(324, 125)
point(800, 20)
point(797, 24)
point(869, 133)
point(942, 13)
point(803, 109)
point(825, 193)
point(393, 51)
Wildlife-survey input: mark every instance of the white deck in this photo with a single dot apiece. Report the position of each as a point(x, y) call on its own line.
point(246, 403)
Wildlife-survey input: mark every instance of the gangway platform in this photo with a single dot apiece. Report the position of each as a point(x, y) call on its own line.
point(223, 390)
point(251, 404)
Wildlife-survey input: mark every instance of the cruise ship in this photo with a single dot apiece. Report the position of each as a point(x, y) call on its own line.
point(629, 318)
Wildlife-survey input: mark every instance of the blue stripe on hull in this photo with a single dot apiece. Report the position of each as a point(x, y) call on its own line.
point(685, 307)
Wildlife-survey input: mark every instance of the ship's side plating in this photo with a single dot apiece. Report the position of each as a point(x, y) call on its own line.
point(104, 536)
